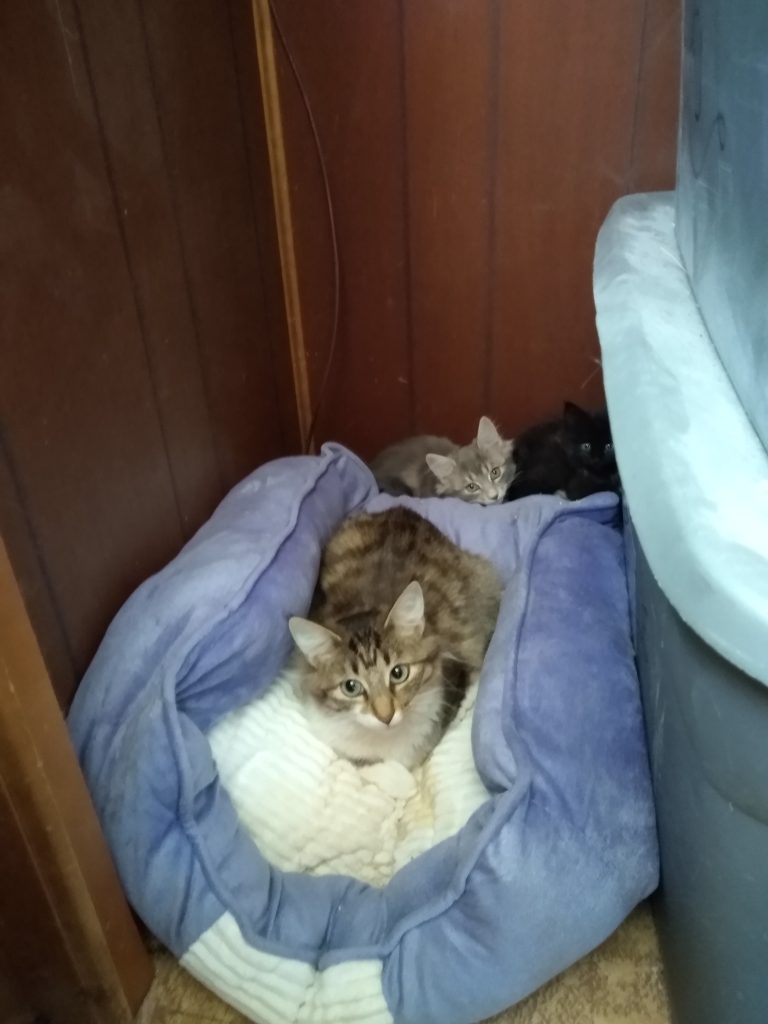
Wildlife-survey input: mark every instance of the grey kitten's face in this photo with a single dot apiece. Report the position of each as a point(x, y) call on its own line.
point(480, 472)
point(370, 674)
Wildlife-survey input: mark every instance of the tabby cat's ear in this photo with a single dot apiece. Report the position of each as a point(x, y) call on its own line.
point(315, 642)
point(406, 616)
point(441, 465)
point(487, 434)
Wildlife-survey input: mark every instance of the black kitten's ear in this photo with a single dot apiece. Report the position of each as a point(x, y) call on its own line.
point(574, 414)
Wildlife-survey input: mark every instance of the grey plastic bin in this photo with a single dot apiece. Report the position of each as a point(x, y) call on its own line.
point(707, 726)
point(696, 486)
point(722, 186)
point(695, 476)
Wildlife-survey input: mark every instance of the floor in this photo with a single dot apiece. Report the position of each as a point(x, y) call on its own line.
point(620, 983)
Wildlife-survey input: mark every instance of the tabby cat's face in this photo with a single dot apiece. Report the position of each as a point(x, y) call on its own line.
point(480, 472)
point(372, 674)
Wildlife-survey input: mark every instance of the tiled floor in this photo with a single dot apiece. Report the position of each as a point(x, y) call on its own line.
point(620, 983)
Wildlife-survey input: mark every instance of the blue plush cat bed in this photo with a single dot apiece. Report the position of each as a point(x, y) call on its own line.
point(549, 865)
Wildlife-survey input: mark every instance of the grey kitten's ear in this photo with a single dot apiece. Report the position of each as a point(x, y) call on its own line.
point(314, 641)
point(487, 434)
point(441, 465)
point(407, 613)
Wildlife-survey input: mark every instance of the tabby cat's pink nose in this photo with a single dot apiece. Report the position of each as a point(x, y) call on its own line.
point(384, 710)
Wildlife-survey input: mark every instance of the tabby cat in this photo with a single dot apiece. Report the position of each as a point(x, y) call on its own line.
point(572, 456)
point(399, 627)
point(426, 466)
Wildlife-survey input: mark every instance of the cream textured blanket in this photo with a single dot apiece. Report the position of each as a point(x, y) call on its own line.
point(310, 810)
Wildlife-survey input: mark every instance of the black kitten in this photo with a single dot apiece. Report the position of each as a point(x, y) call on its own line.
point(572, 456)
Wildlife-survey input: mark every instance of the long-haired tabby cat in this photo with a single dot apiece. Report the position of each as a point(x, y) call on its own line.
point(399, 626)
point(428, 466)
point(572, 456)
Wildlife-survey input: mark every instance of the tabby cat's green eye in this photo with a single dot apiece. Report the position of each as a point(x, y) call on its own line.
point(399, 673)
point(471, 487)
point(496, 473)
point(351, 687)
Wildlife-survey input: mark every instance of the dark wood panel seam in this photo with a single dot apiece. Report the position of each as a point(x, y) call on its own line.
point(182, 248)
point(23, 506)
point(407, 226)
point(254, 216)
point(630, 178)
point(494, 45)
point(109, 169)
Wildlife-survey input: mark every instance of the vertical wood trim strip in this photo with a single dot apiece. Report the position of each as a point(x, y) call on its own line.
point(45, 791)
point(270, 91)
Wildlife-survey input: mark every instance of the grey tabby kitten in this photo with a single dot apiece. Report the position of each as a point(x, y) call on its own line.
point(426, 466)
point(400, 624)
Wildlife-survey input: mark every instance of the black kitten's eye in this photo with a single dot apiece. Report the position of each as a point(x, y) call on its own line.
point(399, 673)
point(609, 449)
point(351, 687)
point(586, 447)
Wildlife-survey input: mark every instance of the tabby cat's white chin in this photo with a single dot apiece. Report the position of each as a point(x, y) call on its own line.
point(362, 737)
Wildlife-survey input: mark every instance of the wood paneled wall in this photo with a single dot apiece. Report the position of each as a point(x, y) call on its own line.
point(473, 148)
point(143, 362)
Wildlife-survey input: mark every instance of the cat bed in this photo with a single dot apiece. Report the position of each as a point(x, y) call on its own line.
point(549, 863)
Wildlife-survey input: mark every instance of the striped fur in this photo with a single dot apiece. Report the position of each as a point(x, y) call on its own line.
point(384, 661)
